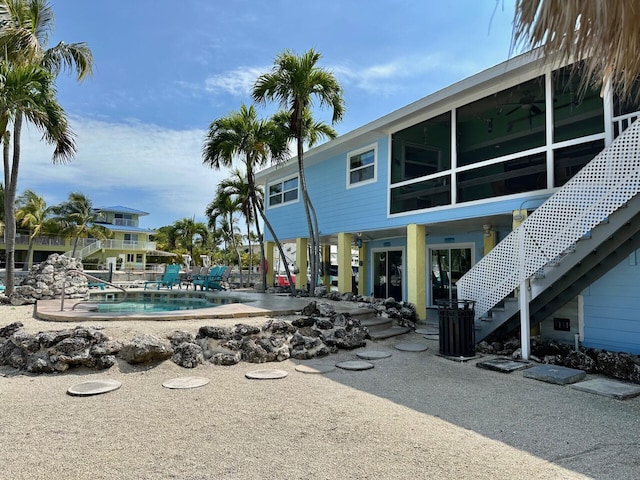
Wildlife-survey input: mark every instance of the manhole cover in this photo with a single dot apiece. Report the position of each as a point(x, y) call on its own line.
point(354, 365)
point(373, 355)
point(185, 382)
point(315, 368)
point(266, 374)
point(93, 387)
point(411, 347)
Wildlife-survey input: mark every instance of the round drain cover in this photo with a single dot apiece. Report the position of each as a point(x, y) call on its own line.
point(411, 347)
point(185, 382)
point(427, 331)
point(354, 365)
point(93, 387)
point(315, 368)
point(373, 355)
point(266, 374)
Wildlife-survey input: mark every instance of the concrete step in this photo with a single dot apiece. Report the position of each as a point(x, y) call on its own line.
point(376, 323)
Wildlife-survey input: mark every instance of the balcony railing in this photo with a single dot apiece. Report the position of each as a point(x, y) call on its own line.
point(123, 222)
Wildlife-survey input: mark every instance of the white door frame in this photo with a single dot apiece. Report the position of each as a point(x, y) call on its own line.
point(442, 246)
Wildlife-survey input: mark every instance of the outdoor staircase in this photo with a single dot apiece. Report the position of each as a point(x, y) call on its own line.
point(86, 251)
point(584, 230)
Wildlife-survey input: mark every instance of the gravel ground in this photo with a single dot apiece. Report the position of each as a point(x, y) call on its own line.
point(415, 415)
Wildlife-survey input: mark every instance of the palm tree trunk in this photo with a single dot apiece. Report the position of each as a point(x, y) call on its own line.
point(234, 245)
point(307, 210)
point(263, 271)
point(11, 183)
point(75, 247)
point(250, 254)
point(28, 262)
point(267, 224)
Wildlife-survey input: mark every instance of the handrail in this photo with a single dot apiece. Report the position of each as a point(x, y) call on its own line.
point(91, 277)
point(603, 186)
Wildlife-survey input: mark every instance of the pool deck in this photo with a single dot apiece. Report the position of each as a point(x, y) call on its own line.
point(251, 304)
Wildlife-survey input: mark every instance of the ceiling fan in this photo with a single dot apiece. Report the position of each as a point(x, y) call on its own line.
point(528, 103)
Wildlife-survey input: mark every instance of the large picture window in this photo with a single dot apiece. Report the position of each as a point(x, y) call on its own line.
point(282, 192)
point(577, 111)
point(507, 122)
point(362, 166)
point(421, 150)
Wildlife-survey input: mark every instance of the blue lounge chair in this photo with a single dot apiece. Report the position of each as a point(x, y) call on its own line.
point(217, 280)
point(170, 278)
point(203, 280)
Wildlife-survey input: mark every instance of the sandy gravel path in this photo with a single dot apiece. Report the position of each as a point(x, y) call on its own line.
point(415, 415)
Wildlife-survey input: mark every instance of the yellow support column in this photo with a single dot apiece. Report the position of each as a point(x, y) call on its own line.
point(268, 256)
point(362, 270)
point(490, 238)
point(326, 263)
point(519, 216)
point(417, 268)
point(301, 263)
point(344, 262)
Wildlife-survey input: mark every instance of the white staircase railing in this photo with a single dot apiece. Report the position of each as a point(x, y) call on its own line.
point(86, 251)
point(603, 186)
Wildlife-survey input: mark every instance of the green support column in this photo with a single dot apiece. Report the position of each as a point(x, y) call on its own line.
point(326, 263)
point(344, 263)
point(362, 270)
point(268, 256)
point(417, 268)
point(301, 263)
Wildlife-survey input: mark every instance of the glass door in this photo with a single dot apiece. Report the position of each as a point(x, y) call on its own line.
point(387, 274)
point(448, 264)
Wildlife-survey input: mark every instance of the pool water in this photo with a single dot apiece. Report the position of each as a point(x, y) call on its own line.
point(151, 305)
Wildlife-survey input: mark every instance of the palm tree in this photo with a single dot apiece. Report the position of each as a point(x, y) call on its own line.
point(32, 212)
point(294, 83)
point(223, 207)
point(605, 34)
point(255, 141)
point(237, 187)
point(188, 232)
point(27, 91)
point(77, 218)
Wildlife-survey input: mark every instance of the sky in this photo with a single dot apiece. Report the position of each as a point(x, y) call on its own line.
point(164, 70)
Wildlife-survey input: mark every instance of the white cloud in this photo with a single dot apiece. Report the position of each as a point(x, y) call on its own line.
point(389, 77)
point(141, 166)
point(237, 82)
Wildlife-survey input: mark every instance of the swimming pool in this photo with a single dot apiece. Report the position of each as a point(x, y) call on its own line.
point(155, 302)
point(236, 304)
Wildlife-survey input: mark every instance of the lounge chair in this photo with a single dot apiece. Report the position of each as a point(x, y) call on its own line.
point(205, 276)
point(193, 274)
point(215, 279)
point(170, 278)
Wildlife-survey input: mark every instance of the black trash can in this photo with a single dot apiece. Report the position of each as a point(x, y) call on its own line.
point(457, 335)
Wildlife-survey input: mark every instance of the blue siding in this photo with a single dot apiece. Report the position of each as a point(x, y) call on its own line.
point(365, 208)
point(612, 310)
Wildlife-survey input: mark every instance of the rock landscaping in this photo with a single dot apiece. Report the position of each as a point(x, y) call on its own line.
point(47, 280)
point(622, 366)
point(318, 331)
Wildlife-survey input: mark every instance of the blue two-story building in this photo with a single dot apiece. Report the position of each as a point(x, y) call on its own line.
point(512, 188)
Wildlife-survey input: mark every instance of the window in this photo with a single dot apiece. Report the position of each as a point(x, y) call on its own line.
point(285, 191)
point(523, 174)
point(504, 123)
point(576, 112)
point(362, 166)
point(420, 195)
point(421, 150)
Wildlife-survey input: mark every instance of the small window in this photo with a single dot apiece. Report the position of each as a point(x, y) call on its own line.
point(362, 166)
point(284, 191)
